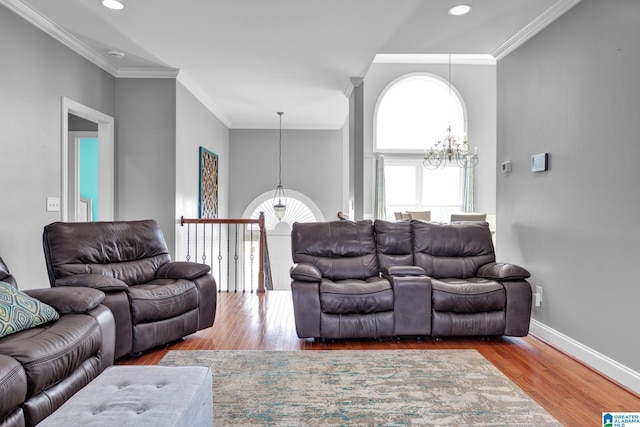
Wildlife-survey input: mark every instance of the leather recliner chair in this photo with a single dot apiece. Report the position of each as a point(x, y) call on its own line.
point(43, 366)
point(154, 301)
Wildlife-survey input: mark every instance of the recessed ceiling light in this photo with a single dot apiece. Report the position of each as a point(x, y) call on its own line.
point(461, 9)
point(112, 4)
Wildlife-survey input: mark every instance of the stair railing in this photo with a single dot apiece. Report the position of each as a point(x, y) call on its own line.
point(228, 246)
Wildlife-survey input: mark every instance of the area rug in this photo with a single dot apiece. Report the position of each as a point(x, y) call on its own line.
point(360, 387)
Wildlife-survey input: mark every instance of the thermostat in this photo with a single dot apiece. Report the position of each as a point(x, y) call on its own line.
point(539, 162)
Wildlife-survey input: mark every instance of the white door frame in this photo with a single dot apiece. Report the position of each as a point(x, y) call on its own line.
point(69, 186)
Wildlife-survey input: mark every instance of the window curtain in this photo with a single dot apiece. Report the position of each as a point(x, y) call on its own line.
point(467, 192)
point(380, 200)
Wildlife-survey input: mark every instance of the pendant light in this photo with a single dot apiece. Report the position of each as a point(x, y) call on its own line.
point(279, 206)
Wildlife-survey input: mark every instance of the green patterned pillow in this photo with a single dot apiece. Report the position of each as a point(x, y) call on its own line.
point(18, 311)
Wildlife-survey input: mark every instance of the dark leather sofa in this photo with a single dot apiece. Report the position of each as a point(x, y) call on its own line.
point(405, 278)
point(43, 366)
point(154, 301)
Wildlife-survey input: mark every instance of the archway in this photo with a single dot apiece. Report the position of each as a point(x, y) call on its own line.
point(300, 208)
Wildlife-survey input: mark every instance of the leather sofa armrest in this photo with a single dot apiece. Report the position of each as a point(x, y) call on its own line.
point(403, 270)
point(305, 273)
point(68, 299)
point(182, 270)
point(502, 271)
point(95, 281)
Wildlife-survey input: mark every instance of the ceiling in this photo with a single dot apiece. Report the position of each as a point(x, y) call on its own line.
point(247, 59)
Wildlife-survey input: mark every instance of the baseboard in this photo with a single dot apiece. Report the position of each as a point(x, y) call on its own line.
point(601, 363)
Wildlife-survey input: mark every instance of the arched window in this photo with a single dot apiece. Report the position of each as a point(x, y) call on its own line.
point(300, 208)
point(296, 211)
point(412, 114)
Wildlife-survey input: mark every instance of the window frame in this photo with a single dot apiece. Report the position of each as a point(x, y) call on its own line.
point(419, 185)
point(394, 82)
point(415, 157)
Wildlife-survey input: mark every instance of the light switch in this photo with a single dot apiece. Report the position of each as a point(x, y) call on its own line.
point(53, 204)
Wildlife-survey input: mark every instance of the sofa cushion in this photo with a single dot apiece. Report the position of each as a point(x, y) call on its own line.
point(394, 243)
point(452, 250)
point(473, 295)
point(130, 251)
point(18, 311)
point(162, 299)
point(48, 353)
point(354, 296)
point(339, 249)
point(93, 280)
point(13, 385)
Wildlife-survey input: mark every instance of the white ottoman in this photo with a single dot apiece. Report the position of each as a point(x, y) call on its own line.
point(155, 396)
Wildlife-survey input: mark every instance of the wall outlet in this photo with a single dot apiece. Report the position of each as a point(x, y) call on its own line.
point(53, 204)
point(537, 297)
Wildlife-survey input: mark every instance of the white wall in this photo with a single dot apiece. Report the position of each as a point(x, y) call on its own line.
point(36, 72)
point(573, 91)
point(477, 85)
point(312, 164)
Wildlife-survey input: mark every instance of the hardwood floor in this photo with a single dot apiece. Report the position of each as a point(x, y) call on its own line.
point(573, 393)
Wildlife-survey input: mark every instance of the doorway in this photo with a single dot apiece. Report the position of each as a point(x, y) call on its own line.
point(73, 207)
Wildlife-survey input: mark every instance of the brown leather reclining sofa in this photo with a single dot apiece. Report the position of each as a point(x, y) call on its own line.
point(43, 366)
point(154, 300)
point(405, 278)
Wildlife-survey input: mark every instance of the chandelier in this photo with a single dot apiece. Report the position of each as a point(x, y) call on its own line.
point(451, 149)
point(279, 207)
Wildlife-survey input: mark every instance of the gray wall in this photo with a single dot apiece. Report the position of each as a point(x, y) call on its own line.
point(312, 164)
point(477, 86)
point(36, 73)
point(196, 126)
point(146, 152)
point(573, 91)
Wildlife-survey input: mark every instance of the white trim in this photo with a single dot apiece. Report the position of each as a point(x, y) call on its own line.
point(63, 36)
point(60, 34)
point(201, 96)
point(390, 85)
point(534, 27)
point(106, 140)
point(147, 73)
point(72, 42)
point(605, 365)
point(466, 59)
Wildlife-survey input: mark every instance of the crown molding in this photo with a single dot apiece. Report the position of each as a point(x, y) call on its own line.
point(419, 58)
point(30, 15)
point(354, 82)
point(63, 36)
point(201, 96)
point(147, 73)
point(534, 27)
